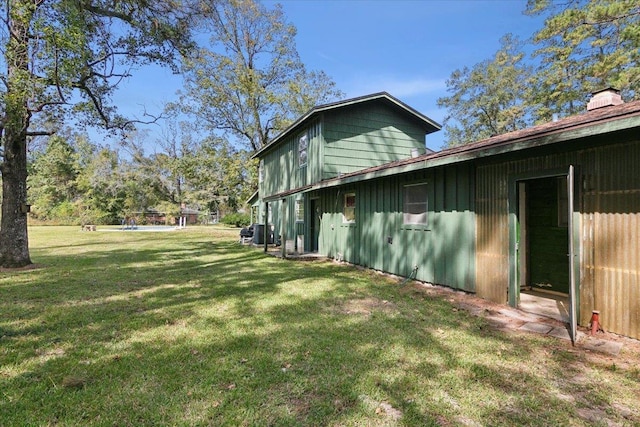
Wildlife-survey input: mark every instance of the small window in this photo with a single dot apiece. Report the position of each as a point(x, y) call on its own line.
point(299, 210)
point(261, 171)
point(415, 204)
point(302, 150)
point(349, 211)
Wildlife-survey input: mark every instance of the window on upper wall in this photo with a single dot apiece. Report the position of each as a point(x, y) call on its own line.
point(302, 149)
point(299, 210)
point(261, 171)
point(349, 210)
point(415, 204)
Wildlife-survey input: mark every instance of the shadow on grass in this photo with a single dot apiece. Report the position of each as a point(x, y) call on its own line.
point(193, 332)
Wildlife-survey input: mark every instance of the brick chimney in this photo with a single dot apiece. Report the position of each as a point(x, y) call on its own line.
point(604, 98)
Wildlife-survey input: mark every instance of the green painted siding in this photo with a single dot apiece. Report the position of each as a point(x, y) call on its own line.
point(341, 141)
point(443, 250)
point(367, 135)
point(282, 171)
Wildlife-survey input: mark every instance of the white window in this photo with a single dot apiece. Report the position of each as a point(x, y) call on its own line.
point(415, 204)
point(299, 210)
point(302, 150)
point(261, 171)
point(349, 210)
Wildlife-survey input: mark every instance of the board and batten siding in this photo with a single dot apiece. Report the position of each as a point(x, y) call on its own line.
point(367, 135)
point(443, 250)
point(282, 171)
point(608, 222)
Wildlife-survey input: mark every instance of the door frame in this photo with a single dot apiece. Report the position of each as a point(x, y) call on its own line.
point(515, 268)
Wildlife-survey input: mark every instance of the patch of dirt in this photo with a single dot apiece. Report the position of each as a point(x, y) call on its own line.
point(18, 269)
point(381, 409)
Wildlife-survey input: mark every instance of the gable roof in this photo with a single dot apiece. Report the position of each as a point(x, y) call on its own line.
point(429, 125)
point(590, 123)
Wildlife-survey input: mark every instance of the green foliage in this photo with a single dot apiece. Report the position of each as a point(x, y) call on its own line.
point(52, 178)
point(65, 59)
point(251, 82)
point(207, 175)
point(236, 219)
point(584, 46)
point(489, 98)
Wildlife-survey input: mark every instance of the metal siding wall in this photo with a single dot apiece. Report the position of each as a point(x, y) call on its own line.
point(609, 230)
point(492, 241)
point(612, 200)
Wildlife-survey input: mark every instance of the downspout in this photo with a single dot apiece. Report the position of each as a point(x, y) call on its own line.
point(283, 231)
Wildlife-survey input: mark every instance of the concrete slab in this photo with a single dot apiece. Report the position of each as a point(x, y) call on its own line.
point(602, 346)
point(545, 304)
point(539, 328)
point(519, 315)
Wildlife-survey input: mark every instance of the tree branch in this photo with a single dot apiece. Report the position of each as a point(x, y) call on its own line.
point(41, 133)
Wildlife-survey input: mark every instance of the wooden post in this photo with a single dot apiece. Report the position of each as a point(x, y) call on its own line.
point(283, 230)
point(265, 232)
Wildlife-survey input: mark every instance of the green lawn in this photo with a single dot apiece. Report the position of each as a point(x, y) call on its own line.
point(190, 328)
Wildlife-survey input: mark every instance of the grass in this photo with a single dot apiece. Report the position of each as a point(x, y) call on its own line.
point(189, 328)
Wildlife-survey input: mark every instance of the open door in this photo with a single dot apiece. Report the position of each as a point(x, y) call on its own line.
point(544, 259)
point(314, 224)
point(573, 258)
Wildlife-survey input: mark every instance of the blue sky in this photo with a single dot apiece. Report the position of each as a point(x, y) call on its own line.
point(407, 48)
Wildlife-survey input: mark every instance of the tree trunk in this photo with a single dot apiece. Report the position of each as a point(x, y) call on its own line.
point(14, 243)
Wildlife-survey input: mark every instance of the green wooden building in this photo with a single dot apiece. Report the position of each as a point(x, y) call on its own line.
point(555, 207)
point(330, 141)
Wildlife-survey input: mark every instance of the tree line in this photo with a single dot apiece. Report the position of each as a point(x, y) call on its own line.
point(74, 181)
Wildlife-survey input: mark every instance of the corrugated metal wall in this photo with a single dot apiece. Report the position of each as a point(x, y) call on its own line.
point(609, 204)
point(492, 241)
point(611, 239)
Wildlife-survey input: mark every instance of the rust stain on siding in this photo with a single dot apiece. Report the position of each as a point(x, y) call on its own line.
point(492, 243)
